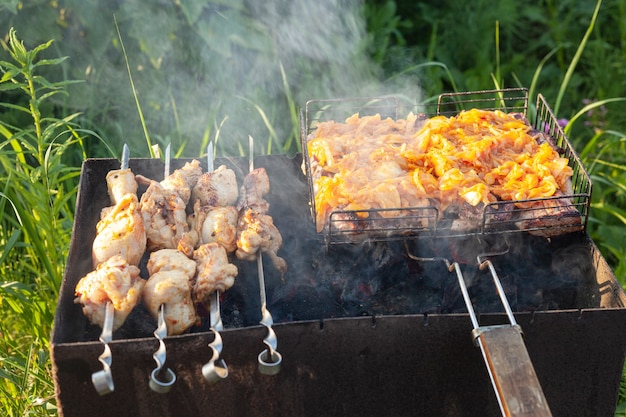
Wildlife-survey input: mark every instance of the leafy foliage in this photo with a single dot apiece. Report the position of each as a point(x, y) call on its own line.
point(37, 200)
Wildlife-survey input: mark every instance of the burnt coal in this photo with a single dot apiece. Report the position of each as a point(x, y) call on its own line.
point(326, 281)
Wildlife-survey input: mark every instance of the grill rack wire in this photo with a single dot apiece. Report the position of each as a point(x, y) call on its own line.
point(425, 222)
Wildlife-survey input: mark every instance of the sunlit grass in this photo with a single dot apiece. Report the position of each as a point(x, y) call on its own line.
point(37, 201)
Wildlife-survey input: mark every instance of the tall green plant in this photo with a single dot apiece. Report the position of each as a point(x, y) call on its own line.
point(37, 199)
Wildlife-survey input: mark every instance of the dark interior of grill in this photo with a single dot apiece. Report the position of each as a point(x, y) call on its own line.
point(371, 278)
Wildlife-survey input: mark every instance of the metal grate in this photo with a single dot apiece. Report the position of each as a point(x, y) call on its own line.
point(547, 217)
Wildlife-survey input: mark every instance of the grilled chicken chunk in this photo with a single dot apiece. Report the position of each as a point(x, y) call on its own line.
point(214, 217)
point(257, 233)
point(164, 217)
point(183, 180)
point(170, 284)
point(115, 281)
point(119, 183)
point(164, 204)
point(120, 230)
point(216, 189)
point(255, 185)
point(215, 272)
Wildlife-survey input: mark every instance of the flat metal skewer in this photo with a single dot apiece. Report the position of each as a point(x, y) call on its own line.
point(215, 369)
point(103, 380)
point(269, 359)
point(161, 380)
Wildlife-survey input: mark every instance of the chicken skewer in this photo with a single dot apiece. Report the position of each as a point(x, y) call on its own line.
point(269, 359)
point(161, 380)
point(103, 380)
point(215, 369)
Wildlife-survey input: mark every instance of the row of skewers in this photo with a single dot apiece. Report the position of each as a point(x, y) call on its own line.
point(189, 225)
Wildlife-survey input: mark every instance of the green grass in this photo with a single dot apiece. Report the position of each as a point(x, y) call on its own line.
point(37, 202)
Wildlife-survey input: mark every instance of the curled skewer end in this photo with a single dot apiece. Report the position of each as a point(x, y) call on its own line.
point(103, 381)
point(269, 363)
point(161, 381)
point(214, 371)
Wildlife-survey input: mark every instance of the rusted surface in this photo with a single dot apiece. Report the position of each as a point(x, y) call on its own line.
point(398, 365)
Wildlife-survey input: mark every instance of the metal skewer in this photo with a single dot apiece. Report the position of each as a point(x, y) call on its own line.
point(215, 369)
point(103, 380)
point(161, 380)
point(269, 359)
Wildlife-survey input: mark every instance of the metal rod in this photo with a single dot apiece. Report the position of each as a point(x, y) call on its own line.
point(161, 380)
point(269, 359)
point(166, 169)
point(470, 309)
point(452, 267)
point(125, 157)
point(103, 380)
point(215, 369)
point(496, 280)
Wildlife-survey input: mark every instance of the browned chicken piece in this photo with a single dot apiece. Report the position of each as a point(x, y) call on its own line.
point(191, 239)
point(183, 180)
point(220, 226)
point(114, 281)
point(120, 231)
point(215, 273)
point(214, 217)
point(255, 185)
point(119, 183)
point(210, 224)
point(170, 260)
point(216, 188)
point(170, 285)
point(164, 217)
point(164, 204)
point(257, 233)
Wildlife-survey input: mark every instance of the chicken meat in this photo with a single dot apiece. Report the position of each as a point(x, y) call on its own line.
point(164, 217)
point(170, 285)
point(120, 230)
point(255, 185)
point(115, 281)
point(214, 217)
point(183, 180)
point(214, 271)
point(216, 188)
point(119, 183)
point(164, 205)
point(256, 234)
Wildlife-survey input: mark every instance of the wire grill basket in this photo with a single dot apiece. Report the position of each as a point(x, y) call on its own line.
point(550, 216)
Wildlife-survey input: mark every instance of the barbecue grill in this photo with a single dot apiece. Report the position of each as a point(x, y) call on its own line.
point(378, 327)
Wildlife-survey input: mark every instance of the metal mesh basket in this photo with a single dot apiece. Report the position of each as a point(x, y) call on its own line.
point(549, 216)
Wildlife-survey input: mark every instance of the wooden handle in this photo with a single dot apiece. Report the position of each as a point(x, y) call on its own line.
point(512, 372)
